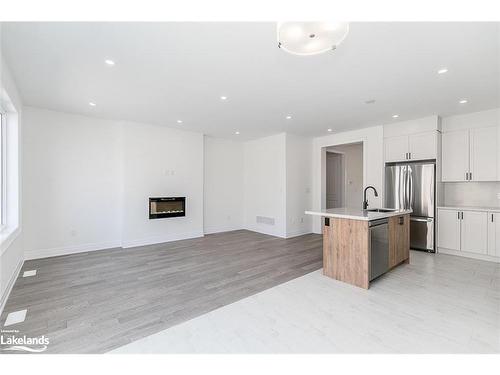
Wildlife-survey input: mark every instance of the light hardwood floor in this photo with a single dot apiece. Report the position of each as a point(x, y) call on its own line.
point(97, 301)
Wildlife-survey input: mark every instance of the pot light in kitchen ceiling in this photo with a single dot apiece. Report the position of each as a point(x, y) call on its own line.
point(311, 38)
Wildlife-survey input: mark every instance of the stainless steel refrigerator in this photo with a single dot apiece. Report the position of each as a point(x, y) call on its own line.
point(412, 185)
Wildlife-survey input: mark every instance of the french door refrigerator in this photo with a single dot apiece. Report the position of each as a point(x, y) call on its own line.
point(412, 185)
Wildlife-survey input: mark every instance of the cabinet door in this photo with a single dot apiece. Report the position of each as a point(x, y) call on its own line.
point(396, 148)
point(474, 231)
point(484, 154)
point(455, 155)
point(399, 239)
point(449, 229)
point(423, 146)
point(494, 234)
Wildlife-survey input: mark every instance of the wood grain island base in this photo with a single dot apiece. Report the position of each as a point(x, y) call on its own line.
point(348, 243)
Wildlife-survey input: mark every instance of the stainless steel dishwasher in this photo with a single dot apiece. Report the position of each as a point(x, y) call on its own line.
point(379, 247)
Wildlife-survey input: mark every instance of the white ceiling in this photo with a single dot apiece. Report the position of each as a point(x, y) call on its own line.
point(170, 71)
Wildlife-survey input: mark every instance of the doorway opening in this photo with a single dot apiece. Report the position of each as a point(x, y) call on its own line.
point(344, 175)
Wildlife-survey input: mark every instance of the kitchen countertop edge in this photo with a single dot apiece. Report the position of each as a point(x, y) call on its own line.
point(471, 208)
point(357, 214)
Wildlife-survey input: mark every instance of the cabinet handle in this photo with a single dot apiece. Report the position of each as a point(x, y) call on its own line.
point(458, 214)
point(492, 218)
point(409, 155)
point(470, 176)
point(462, 215)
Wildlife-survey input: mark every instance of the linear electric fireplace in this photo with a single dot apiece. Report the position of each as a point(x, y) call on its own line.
point(167, 207)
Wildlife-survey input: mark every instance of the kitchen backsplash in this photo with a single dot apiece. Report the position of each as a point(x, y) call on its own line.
point(472, 194)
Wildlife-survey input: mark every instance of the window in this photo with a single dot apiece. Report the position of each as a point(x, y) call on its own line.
point(3, 167)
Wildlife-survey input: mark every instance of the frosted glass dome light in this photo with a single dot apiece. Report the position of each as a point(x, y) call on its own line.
point(311, 38)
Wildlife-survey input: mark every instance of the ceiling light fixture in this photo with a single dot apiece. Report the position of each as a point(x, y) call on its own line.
point(442, 71)
point(223, 97)
point(288, 117)
point(329, 130)
point(237, 133)
point(463, 101)
point(395, 116)
point(311, 38)
point(109, 62)
point(179, 121)
point(92, 104)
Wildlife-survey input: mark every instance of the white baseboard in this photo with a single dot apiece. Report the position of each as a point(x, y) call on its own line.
point(466, 254)
point(161, 239)
point(265, 231)
point(298, 233)
point(67, 250)
point(10, 285)
point(211, 230)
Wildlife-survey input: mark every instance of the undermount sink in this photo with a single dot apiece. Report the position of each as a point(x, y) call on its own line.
point(381, 210)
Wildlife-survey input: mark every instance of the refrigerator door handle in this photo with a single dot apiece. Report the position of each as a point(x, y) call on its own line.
point(421, 220)
point(407, 187)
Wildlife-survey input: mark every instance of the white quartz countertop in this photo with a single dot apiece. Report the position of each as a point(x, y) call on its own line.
point(355, 213)
point(470, 208)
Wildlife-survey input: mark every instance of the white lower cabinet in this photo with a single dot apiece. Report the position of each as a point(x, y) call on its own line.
point(449, 229)
point(474, 232)
point(467, 231)
point(494, 234)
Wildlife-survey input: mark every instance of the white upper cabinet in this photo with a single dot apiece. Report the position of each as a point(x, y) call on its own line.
point(494, 234)
point(423, 146)
point(455, 156)
point(419, 146)
point(471, 155)
point(449, 229)
point(474, 232)
point(484, 154)
point(396, 148)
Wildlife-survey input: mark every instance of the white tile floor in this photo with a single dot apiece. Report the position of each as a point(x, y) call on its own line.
point(15, 317)
point(436, 304)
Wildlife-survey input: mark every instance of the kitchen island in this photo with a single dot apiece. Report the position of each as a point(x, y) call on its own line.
point(360, 245)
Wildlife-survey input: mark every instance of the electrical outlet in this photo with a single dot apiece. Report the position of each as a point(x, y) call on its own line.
point(498, 195)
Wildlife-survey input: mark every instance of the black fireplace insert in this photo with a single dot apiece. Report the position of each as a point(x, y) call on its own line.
point(167, 207)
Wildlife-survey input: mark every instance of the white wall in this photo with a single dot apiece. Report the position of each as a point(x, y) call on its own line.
point(265, 184)
point(373, 164)
point(87, 183)
point(11, 249)
point(353, 164)
point(72, 181)
point(298, 184)
point(223, 185)
point(160, 161)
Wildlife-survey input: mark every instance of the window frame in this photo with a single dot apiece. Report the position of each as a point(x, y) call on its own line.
point(3, 169)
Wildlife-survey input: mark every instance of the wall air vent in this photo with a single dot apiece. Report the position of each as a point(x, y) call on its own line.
point(265, 220)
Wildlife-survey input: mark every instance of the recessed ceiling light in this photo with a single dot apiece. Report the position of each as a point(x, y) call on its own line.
point(92, 104)
point(395, 116)
point(442, 71)
point(179, 121)
point(223, 97)
point(109, 62)
point(463, 101)
point(288, 117)
point(329, 130)
point(236, 133)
